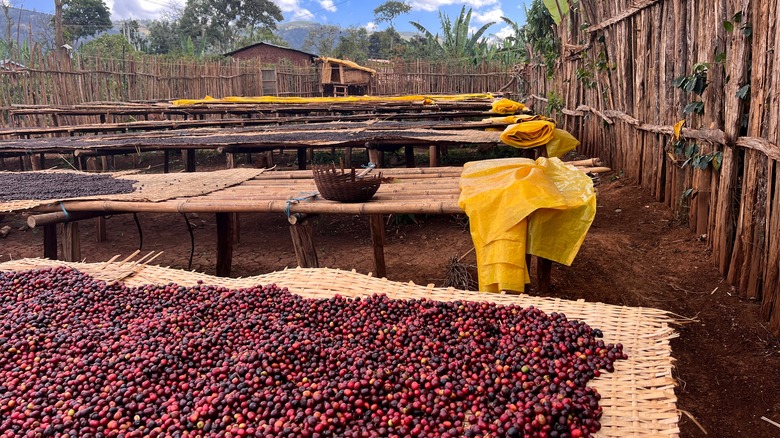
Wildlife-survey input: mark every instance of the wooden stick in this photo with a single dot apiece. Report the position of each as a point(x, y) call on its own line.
point(71, 242)
point(303, 243)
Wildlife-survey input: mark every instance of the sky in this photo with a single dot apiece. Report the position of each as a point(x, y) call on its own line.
point(345, 13)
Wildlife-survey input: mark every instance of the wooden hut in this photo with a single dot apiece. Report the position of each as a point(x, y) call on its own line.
point(344, 78)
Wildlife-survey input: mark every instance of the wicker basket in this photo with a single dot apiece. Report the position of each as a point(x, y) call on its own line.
point(342, 186)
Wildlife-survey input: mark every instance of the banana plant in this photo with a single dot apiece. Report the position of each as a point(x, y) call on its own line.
point(455, 41)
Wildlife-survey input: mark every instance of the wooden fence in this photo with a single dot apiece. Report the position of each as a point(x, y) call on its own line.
point(48, 81)
point(615, 82)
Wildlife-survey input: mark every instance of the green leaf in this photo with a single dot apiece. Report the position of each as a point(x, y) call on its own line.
point(690, 84)
point(717, 160)
point(687, 193)
point(720, 57)
point(699, 85)
point(557, 8)
point(680, 82)
point(694, 108)
point(729, 26)
point(743, 92)
point(737, 17)
point(747, 30)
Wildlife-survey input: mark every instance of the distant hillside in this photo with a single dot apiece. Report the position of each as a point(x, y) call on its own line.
point(295, 32)
point(26, 24)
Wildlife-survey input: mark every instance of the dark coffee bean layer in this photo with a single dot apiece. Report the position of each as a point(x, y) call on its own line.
point(41, 186)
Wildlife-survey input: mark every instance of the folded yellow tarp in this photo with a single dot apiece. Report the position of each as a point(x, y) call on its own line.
point(510, 120)
point(518, 206)
point(506, 106)
point(532, 133)
point(528, 134)
point(561, 143)
point(347, 99)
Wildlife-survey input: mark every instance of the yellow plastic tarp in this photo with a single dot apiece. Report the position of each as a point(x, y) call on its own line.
point(561, 143)
point(506, 106)
point(519, 118)
point(528, 134)
point(518, 206)
point(348, 99)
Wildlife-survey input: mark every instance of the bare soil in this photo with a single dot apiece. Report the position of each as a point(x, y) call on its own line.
point(636, 254)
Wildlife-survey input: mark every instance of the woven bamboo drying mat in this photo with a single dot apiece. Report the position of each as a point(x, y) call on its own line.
point(155, 187)
point(638, 398)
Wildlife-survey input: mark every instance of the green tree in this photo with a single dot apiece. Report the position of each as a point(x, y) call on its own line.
point(323, 40)
point(84, 18)
point(164, 37)
point(217, 25)
point(455, 41)
point(389, 10)
point(539, 34)
point(385, 44)
point(108, 46)
point(353, 45)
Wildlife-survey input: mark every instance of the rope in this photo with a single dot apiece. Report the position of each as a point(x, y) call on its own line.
point(307, 197)
point(67, 215)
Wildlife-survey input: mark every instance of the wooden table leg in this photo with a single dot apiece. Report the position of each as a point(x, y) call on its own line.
point(543, 271)
point(409, 155)
point(166, 161)
point(377, 223)
point(433, 156)
point(303, 242)
point(71, 242)
point(224, 244)
point(301, 158)
point(50, 241)
point(189, 159)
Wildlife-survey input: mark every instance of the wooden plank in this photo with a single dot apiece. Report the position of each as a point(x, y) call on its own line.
point(377, 225)
point(301, 158)
point(100, 229)
point(409, 155)
point(224, 244)
point(303, 243)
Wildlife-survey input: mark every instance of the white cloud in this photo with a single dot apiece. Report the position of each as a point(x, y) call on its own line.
point(493, 15)
point(370, 26)
point(292, 9)
point(327, 5)
point(504, 32)
point(433, 5)
point(124, 9)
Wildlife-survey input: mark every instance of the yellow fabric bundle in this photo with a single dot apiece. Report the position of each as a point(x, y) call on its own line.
point(528, 134)
point(518, 205)
point(506, 106)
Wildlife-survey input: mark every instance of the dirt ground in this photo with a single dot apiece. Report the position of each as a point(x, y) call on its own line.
point(636, 254)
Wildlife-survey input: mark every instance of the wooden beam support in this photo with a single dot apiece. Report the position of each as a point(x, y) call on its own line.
point(377, 223)
point(348, 157)
point(409, 155)
point(100, 229)
point(301, 158)
point(166, 161)
point(188, 155)
point(50, 242)
point(71, 242)
point(374, 156)
point(224, 244)
point(433, 159)
point(543, 271)
point(303, 242)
